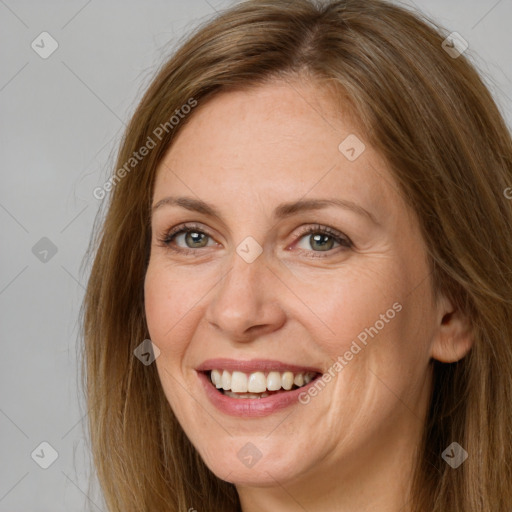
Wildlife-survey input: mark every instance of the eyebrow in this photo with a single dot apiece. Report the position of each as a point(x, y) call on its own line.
point(284, 210)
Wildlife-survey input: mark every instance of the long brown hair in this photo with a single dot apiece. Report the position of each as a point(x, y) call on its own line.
point(432, 118)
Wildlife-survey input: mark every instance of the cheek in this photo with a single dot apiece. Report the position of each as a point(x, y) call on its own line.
point(373, 315)
point(157, 300)
point(166, 305)
point(168, 316)
point(357, 304)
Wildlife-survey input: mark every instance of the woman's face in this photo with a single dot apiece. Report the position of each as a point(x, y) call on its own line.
point(260, 288)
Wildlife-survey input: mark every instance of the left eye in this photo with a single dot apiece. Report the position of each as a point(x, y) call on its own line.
point(320, 241)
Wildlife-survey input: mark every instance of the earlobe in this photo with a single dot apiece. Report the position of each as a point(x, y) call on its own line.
point(454, 337)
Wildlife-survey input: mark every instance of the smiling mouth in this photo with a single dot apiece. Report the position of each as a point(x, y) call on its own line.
point(259, 384)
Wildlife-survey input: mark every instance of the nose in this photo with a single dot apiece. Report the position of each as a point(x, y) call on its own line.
point(246, 301)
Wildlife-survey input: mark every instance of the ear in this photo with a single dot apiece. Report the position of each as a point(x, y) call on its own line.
point(453, 337)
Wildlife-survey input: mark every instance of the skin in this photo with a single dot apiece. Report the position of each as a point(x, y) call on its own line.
point(352, 446)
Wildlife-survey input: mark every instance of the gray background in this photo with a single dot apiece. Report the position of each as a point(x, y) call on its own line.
point(61, 121)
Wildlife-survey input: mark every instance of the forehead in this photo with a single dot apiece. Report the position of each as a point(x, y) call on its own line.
point(276, 142)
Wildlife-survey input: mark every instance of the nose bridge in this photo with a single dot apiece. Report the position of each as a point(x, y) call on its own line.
point(243, 298)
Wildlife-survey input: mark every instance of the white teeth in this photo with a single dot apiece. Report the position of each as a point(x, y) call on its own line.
point(216, 377)
point(274, 381)
point(257, 383)
point(226, 380)
point(239, 382)
point(287, 380)
point(244, 384)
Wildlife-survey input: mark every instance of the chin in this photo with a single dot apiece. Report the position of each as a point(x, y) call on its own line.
point(250, 460)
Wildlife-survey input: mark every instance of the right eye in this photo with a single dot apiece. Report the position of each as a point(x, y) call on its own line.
point(193, 236)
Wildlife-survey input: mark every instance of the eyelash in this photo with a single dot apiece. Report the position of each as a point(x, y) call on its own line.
point(166, 240)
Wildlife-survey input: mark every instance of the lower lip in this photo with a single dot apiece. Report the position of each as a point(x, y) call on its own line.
point(251, 407)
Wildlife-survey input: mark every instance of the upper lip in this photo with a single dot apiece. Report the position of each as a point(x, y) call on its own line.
point(253, 365)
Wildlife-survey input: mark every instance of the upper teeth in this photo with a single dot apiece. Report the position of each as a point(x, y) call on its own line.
point(258, 382)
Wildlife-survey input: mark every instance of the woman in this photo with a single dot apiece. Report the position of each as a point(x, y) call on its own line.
point(308, 221)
